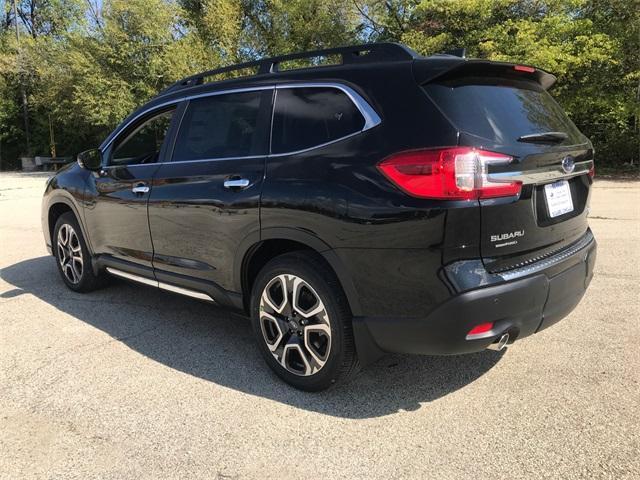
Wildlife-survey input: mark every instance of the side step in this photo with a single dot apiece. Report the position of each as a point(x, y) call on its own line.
point(162, 285)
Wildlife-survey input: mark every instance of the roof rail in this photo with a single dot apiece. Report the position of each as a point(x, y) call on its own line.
point(366, 53)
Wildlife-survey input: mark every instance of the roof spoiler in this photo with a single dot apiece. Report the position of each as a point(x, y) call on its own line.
point(447, 67)
point(457, 52)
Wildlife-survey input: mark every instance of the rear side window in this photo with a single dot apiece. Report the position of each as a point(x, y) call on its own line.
point(309, 116)
point(502, 112)
point(221, 126)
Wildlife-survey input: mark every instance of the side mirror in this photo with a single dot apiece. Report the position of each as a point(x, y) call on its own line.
point(90, 159)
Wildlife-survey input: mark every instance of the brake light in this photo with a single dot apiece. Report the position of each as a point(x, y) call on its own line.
point(455, 173)
point(592, 171)
point(524, 68)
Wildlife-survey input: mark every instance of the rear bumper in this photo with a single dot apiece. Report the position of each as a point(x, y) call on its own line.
point(531, 300)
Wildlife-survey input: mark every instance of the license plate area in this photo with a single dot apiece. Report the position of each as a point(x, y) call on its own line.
point(558, 198)
point(579, 187)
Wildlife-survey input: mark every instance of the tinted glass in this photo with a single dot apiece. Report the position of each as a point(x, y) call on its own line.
point(503, 113)
point(306, 117)
point(221, 126)
point(144, 143)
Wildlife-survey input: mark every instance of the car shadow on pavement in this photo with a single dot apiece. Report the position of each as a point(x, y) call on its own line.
point(215, 345)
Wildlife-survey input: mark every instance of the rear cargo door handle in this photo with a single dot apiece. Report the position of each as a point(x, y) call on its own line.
point(140, 188)
point(236, 182)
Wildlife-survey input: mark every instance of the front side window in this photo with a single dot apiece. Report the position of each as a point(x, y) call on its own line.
point(309, 116)
point(221, 126)
point(144, 143)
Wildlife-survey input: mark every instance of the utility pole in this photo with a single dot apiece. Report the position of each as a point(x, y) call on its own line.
point(52, 140)
point(23, 92)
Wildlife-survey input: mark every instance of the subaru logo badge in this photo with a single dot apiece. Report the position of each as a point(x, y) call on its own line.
point(568, 164)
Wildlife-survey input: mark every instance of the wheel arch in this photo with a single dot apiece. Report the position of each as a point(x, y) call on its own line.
point(58, 206)
point(256, 252)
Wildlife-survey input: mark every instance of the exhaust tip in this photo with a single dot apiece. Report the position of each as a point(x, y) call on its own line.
point(500, 344)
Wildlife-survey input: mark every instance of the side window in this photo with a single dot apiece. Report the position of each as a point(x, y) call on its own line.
point(143, 144)
point(309, 116)
point(222, 126)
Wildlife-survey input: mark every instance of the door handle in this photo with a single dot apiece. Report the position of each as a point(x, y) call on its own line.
point(236, 183)
point(140, 188)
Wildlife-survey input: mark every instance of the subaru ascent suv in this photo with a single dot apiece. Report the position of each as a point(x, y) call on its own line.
point(384, 202)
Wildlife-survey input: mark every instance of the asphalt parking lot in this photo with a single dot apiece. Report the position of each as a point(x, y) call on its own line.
point(130, 382)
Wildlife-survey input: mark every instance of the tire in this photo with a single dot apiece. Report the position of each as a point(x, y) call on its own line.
point(309, 346)
point(72, 256)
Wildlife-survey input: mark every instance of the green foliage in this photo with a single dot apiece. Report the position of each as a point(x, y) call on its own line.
point(592, 46)
point(86, 64)
point(285, 26)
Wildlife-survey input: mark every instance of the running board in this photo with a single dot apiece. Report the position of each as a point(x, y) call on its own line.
point(162, 285)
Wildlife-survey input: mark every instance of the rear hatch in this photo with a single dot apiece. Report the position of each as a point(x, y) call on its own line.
point(506, 109)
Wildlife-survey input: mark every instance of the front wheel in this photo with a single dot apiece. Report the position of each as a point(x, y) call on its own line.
point(72, 255)
point(302, 322)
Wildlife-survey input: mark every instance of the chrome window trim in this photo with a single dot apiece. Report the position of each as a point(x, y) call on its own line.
point(182, 99)
point(234, 90)
point(371, 118)
point(150, 110)
point(284, 154)
point(216, 159)
point(542, 175)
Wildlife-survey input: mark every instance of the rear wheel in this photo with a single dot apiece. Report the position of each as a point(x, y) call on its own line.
point(72, 255)
point(302, 322)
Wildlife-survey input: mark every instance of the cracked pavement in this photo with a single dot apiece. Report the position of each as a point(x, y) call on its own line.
point(130, 382)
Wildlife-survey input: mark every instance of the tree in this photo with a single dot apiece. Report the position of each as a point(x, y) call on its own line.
point(86, 64)
point(590, 45)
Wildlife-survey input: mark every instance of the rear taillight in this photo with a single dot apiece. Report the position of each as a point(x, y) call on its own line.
point(455, 173)
point(592, 171)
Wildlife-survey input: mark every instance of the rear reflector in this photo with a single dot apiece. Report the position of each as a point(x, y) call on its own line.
point(454, 173)
point(524, 68)
point(482, 328)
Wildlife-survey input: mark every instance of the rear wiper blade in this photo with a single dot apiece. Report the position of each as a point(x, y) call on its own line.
point(545, 137)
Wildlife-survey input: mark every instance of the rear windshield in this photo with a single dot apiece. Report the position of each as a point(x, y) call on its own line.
point(502, 113)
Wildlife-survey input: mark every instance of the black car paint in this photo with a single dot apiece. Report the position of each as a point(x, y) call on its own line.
point(389, 250)
point(117, 217)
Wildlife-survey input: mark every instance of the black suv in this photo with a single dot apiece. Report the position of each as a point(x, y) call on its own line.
point(386, 203)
